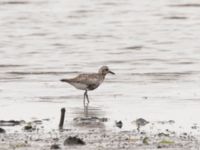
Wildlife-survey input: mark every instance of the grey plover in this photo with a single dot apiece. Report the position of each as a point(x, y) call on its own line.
point(88, 81)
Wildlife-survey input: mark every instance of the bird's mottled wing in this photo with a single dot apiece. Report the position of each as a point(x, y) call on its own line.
point(87, 79)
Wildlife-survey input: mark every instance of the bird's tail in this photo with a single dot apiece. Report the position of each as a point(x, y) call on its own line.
point(64, 80)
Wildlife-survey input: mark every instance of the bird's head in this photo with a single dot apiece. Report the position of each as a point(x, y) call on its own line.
point(104, 70)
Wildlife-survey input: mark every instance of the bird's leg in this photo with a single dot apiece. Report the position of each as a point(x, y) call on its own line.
point(84, 96)
point(87, 97)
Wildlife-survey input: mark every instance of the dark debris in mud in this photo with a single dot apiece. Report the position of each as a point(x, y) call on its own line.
point(163, 134)
point(74, 141)
point(145, 141)
point(119, 124)
point(29, 128)
point(140, 122)
point(2, 130)
point(55, 146)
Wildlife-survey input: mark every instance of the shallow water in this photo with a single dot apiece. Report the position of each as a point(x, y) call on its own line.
point(152, 46)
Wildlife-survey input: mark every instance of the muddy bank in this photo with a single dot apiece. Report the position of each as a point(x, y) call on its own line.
point(33, 136)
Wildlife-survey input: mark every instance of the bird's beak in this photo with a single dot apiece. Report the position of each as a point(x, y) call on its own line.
point(111, 72)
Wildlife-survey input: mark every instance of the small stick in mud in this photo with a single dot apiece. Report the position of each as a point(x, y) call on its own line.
point(62, 118)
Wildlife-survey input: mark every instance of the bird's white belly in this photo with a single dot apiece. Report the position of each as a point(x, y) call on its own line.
point(80, 86)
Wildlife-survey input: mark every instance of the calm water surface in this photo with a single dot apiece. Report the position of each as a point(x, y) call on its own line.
point(151, 45)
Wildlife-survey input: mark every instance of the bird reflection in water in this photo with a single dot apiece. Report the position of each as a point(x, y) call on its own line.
point(86, 110)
